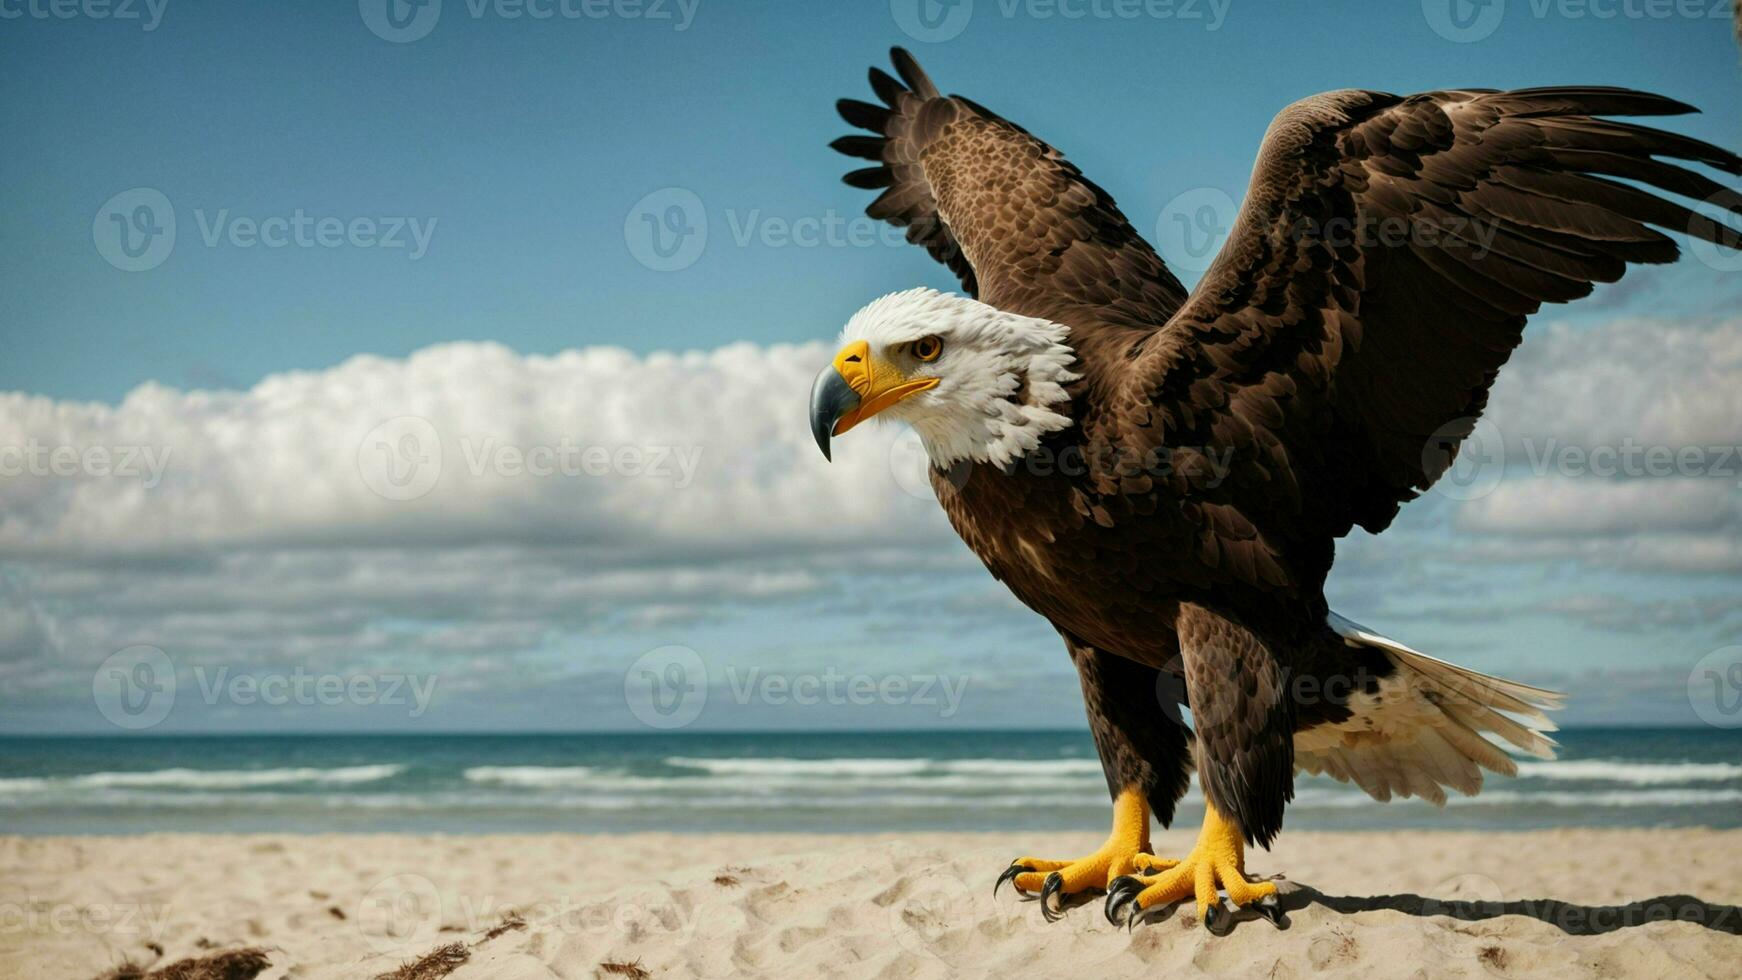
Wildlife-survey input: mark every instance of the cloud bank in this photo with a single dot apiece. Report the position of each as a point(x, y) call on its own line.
point(476, 508)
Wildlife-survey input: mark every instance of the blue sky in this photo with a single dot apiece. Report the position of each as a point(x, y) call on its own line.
point(526, 150)
point(528, 142)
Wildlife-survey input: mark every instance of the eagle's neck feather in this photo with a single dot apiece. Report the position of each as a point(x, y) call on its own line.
point(1009, 397)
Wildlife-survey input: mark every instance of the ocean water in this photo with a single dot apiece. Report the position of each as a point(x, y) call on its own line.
point(854, 782)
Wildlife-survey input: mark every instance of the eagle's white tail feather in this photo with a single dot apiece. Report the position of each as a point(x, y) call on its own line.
point(1423, 731)
point(1479, 718)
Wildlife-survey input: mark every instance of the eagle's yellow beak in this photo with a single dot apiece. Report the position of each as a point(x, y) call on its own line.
point(856, 387)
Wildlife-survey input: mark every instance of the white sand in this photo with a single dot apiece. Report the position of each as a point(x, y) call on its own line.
point(910, 905)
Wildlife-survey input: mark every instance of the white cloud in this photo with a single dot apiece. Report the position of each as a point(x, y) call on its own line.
point(668, 453)
point(1651, 382)
point(1583, 506)
point(1635, 614)
point(1624, 450)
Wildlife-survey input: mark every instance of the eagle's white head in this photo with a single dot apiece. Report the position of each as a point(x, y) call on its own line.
point(975, 382)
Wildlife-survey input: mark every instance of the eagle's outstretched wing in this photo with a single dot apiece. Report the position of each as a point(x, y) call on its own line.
point(1012, 218)
point(1379, 274)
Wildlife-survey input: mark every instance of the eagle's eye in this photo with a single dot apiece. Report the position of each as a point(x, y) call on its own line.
point(928, 348)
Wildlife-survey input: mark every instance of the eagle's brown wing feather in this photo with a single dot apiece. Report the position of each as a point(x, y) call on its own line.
point(1339, 350)
point(1011, 217)
point(1379, 274)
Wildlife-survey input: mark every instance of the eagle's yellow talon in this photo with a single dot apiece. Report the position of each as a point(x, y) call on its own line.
point(1124, 853)
point(1216, 863)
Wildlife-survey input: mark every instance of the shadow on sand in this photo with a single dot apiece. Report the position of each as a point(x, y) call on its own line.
point(1572, 919)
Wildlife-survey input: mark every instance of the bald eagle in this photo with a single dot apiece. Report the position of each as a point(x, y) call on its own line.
point(1163, 475)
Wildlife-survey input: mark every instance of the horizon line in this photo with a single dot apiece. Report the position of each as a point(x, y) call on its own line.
point(530, 733)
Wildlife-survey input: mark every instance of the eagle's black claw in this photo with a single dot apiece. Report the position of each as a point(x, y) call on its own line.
point(1121, 891)
point(1218, 920)
point(1009, 874)
point(1271, 909)
point(1054, 885)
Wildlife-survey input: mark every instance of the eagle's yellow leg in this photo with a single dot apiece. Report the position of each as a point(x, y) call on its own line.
point(1218, 861)
point(1126, 851)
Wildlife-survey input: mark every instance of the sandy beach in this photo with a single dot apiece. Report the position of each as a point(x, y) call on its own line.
point(1550, 903)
